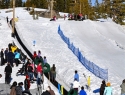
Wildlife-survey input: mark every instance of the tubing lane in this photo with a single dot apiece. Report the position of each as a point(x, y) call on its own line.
point(61, 89)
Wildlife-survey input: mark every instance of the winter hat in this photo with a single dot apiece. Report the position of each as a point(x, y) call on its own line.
point(108, 84)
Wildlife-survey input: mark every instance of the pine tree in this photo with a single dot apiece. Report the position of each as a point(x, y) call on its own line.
point(43, 4)
point(28, 3)
point(18, 3)
point(67, 6)
point(59, 5)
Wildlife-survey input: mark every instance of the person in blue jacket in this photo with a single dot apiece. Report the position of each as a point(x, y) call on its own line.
point(76, 76)
point(108, 89)
point(82, 91)
point(17, 56)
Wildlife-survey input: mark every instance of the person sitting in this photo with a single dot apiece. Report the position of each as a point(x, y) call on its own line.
point(53, 19)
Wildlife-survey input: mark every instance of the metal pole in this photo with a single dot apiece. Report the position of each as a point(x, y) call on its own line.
point(13, 25)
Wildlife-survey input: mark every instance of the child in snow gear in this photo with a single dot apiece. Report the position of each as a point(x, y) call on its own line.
point(108, 89)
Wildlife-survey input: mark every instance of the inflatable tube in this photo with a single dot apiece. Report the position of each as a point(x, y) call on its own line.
point(72, 92)
point(46, 68)
point(37, 60)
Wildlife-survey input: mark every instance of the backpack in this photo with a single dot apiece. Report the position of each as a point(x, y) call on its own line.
point(30, 68)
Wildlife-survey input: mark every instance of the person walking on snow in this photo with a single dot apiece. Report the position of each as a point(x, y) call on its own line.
point(108, 89)
point(123, 87)
point(76, 76)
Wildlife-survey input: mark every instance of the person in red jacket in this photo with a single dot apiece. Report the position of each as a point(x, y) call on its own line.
point(27, 83)
point(39, 74)
point(39, 68)
point(34, 55)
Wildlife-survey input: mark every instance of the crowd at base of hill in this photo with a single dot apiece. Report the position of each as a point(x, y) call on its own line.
point(29, 69)
point(33, 70)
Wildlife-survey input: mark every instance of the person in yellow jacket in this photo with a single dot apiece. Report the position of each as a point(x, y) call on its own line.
point(88, 81)
point(13, 48)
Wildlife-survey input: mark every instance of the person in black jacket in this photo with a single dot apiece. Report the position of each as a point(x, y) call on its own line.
point(8, 71)
point(6, 52)
point(2, 57)
point(102, 88)
point(10, 57)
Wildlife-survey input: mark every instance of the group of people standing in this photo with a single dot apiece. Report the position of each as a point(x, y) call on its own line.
point(10, 55)
point(106, 89)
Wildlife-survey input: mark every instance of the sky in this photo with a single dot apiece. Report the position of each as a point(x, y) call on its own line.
point(102, 42)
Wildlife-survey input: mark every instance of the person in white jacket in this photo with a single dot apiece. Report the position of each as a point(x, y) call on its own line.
point(76, 85)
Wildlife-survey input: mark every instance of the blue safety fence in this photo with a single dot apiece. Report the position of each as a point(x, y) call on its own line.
point(96, 70)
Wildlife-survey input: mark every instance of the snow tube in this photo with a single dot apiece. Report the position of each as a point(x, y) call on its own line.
point(46, 68)
point(72, 92)
point(37, 60)
point(96, 90)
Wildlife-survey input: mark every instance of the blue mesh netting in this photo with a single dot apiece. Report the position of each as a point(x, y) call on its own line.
point(96, 70)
